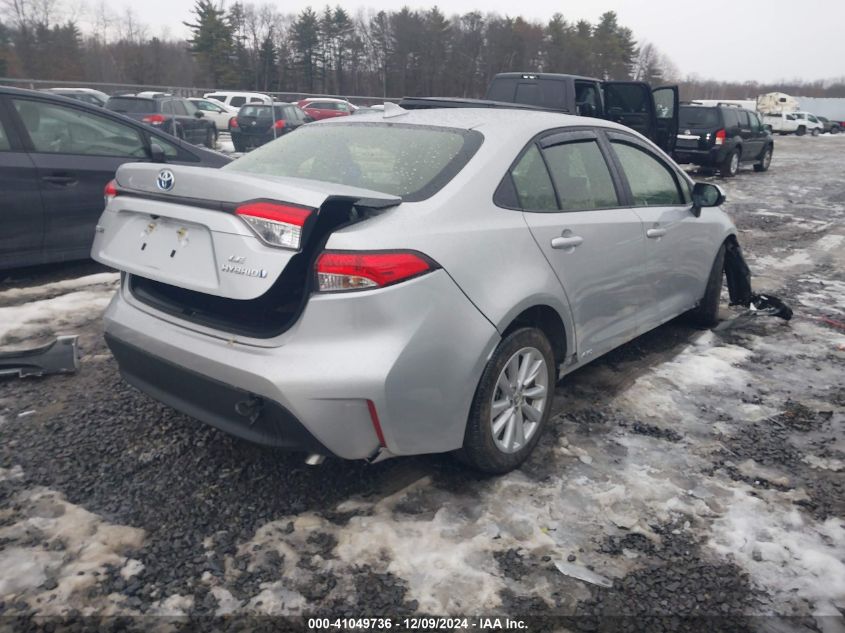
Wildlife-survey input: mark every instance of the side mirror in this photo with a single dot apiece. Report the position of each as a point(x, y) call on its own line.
point(198, 114)
point(157, 153)
point(706, 194)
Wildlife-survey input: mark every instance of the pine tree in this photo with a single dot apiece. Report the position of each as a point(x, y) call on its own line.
point(305, 32)
point(212, 43)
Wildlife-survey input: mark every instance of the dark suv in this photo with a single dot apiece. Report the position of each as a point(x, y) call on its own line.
point(174, 115)
point(721, 137)
point(257, 124)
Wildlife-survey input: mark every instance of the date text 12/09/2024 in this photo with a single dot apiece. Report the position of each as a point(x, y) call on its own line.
point(416, 624)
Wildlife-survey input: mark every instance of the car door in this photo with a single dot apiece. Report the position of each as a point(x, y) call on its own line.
point(76, 152)
point(631, 103)
point(21, 212)
point(677, 246)
point(666, 113)
point(193, 127)
point(748, 140)
point(758, 134)
point(573, 206)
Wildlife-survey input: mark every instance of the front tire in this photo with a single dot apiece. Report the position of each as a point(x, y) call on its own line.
point(512, 403)
point(765, 160)
point(706, 314)
point(730, 166)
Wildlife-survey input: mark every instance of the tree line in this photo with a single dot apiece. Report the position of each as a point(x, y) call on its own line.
point(330, 51)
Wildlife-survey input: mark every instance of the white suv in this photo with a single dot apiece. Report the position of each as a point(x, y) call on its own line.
point(808, 123)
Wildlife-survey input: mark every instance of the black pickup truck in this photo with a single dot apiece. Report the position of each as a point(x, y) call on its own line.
point(651, 112)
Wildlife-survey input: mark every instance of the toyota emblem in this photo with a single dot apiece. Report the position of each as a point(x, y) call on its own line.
point(165, 180)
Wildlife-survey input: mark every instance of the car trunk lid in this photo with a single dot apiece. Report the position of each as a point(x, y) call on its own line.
point(178, 225)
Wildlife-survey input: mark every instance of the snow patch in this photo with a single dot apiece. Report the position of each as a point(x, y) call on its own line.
point(56, 315)
point(84, 545)
point(784, 551)
point(59, 287)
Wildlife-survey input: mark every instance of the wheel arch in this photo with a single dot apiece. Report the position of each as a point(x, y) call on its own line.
point(548, 320)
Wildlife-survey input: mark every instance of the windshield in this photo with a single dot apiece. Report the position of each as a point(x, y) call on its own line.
point(696, 116)
point(411, 161)
point(130, 104)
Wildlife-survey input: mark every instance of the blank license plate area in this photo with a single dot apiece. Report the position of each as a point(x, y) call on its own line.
point(181, 251)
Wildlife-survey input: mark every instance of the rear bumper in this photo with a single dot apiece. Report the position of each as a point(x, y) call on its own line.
point(416, 350)
point(712, 156)
point(232, 410)
point(252, 140)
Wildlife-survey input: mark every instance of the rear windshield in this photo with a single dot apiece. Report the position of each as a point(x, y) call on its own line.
point(546, 93)
point(261, 111)
point(411, 161)
point(130, 104)
point(696, 116)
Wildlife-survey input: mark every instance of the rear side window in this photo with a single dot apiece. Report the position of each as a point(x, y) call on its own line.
point(531, 180)
point(652, 183)
point(731, 117)
point(695, 116)
point(581, 176)
point(179, 108)
point(237, 101)
point(219, 98)
point(411, 161)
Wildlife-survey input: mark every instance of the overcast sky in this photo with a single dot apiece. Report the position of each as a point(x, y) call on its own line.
point(735, 40)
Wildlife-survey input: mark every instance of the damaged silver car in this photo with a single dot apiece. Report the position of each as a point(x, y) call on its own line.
point(403, 282)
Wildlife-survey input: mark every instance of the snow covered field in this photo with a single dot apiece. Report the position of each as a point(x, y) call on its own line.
point(688, 473)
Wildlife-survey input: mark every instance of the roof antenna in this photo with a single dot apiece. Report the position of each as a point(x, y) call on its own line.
point(392, 109)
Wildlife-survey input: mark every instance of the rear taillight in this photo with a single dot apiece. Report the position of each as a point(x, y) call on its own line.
point(275, 223)
point(154, 119)
point(720, 137)
point(233, 122)
point(344, 270)
point(110, 190)
point(279, 124)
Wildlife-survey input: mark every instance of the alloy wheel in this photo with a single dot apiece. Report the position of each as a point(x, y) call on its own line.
point(519, 400)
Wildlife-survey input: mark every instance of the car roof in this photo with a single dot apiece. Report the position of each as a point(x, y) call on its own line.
point(486, 120)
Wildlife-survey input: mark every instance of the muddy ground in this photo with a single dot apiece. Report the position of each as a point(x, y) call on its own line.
point(689, 480)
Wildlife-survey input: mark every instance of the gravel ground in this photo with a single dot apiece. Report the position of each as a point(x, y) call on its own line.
point(685, 475)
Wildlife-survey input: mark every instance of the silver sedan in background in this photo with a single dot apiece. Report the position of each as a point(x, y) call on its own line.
point(401, 283)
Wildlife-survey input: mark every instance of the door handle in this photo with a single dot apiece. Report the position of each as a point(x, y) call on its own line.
point(655, 233)
point(60, 179)
point(569, 241)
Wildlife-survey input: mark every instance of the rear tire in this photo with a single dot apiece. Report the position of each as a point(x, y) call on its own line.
point(801, 131)
point(512, 403)
point(730, 166)
point(765, 160)
point(237, 145)
point(210, 137)
point(706, 314)
point(834, 129)
point(816, 131)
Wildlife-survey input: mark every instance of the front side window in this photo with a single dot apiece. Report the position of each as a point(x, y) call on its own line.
point(531, 180)
point(58, 129)
point(581, 176)
point(651, 181)
point(411, 161)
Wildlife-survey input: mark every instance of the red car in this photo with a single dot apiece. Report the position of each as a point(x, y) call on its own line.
point(319, 108)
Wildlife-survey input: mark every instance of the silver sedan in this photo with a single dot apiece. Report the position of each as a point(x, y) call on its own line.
point(403, 282)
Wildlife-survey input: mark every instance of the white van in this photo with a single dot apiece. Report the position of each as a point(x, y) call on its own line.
point(237, 99)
